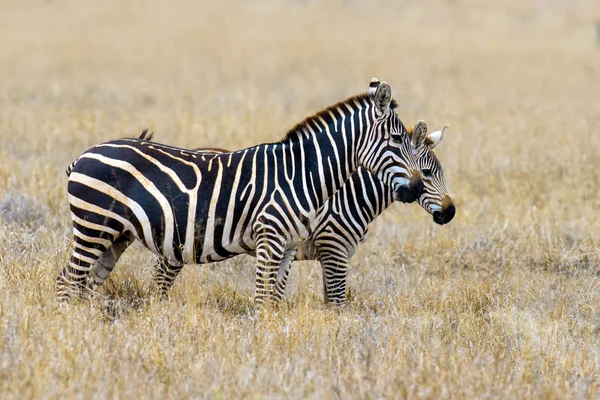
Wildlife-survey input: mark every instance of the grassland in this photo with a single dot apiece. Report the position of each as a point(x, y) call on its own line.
point(504, 302)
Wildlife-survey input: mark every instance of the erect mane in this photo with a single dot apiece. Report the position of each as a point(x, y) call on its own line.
point(303, 125)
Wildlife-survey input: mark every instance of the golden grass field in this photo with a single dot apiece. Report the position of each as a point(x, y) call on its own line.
point(504, 302)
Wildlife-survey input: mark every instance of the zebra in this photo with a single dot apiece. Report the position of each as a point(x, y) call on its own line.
point(189, 207)
point(343, 221)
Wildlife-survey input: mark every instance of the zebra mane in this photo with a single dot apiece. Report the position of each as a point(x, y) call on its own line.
point(298, 129)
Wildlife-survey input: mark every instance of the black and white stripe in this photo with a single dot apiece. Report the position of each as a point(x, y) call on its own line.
point(188, 207)
point(343, 221)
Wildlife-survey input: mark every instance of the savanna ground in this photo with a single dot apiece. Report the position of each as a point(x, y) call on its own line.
point(502, 302)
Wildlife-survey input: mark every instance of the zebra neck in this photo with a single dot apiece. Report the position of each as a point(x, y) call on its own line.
point(328, 151)
point(371, 194)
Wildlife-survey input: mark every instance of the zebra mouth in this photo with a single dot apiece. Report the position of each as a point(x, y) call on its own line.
point(438, 218)
point(445, 216)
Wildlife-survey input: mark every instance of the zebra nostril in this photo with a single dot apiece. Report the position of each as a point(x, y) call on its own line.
point(446, 213)
point(449, 213)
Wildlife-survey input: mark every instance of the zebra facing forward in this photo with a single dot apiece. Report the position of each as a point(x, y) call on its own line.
point(343, 221)
point(187, 207)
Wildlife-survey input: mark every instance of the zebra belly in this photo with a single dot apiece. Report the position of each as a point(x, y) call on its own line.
point(210, 254)
point(306, 251)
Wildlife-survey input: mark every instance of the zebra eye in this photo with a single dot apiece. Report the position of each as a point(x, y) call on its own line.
point(397, 137)
point(426, 172)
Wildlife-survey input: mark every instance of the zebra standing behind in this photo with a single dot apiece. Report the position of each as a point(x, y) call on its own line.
point(187, 207)
point(343, 221)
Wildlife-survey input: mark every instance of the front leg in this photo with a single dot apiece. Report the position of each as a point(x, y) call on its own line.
point(335, 275)
point(270, 253)
point(283, 273)
point(165, 274)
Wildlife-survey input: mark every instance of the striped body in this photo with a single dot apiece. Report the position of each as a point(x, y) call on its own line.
point(164, 208)
point(188, 207)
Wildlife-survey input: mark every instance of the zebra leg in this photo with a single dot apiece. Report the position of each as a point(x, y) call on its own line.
point(165, 274)
point(73, 280)
point(282, 274)
point(335, 275)
point(108, 260)
point(270, 253)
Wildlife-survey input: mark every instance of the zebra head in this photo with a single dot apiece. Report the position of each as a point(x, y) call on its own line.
point(435, 198)
point(389, 154)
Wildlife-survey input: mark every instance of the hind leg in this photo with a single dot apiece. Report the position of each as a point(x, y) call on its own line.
point(73, 280)
point(165, 275)
point(108, 260)
point(282, 274)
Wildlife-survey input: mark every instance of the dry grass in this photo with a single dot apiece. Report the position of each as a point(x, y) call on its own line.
point(503, 302)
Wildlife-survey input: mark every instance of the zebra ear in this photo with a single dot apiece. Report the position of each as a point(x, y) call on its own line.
point(434, 138)
point(419, 133)
point(373, 86)
point(382, 94)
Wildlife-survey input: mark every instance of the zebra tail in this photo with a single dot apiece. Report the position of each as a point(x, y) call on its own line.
point(70, 167)
point(145, 135)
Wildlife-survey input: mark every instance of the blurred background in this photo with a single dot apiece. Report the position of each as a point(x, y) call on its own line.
point(518, 82)
point(503, 301)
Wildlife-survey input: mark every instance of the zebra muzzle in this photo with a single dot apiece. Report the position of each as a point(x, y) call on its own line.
point(446, 214)
point(414, 190)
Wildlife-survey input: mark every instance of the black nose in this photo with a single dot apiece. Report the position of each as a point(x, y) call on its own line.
point(447, 213)
point(414, 190)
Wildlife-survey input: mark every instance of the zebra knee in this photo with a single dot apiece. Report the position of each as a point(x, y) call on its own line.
point(336, 291)
point(74, 278)
point(266, 283)
point(99, 274)
point(107, 261)
point(69, 285)
point(165, 275)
